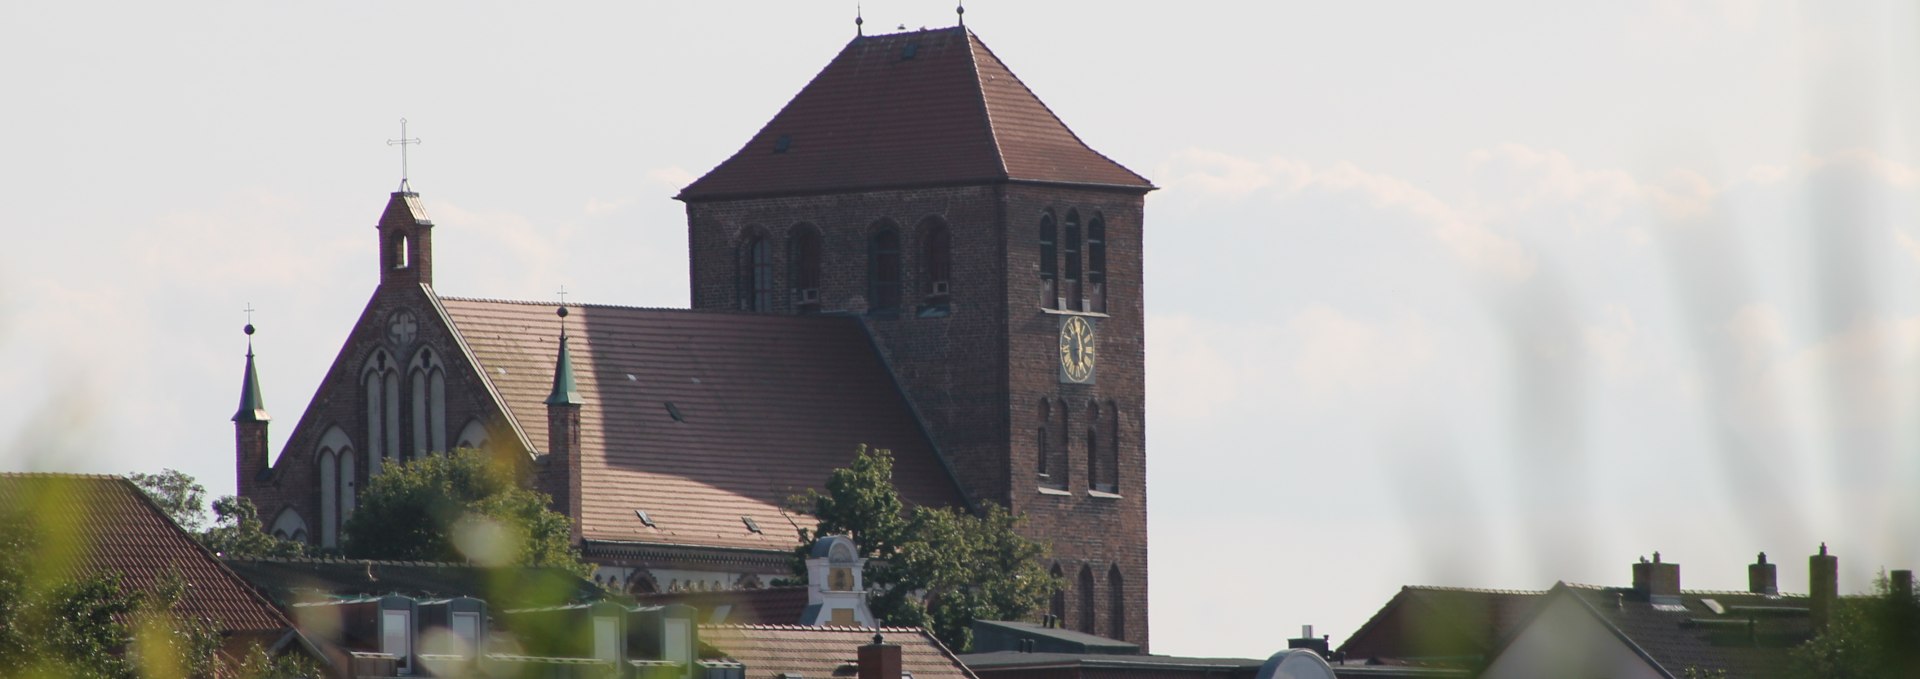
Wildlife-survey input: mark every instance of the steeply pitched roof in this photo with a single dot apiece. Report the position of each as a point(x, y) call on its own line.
point(759, 606)
point(910, 109)
point(1749, 636)
point(117, 529)
point(1440, 622)
point(828, 652)
point(701, 418)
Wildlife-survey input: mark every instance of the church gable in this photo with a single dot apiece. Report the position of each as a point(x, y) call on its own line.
point(706, 422)
point(923, 108)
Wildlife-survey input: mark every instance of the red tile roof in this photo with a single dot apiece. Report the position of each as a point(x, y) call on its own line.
point(767, 407)
point(951, 113)
point(762, 606)
point(828, 652)
point(120, 530)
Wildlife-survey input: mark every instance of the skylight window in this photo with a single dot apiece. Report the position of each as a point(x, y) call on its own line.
point(674, 411)
point(752, 525)
point(644, 518)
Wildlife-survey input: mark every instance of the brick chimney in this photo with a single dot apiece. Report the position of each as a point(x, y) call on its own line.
point(1823, 586)
point(563, 435)
point(1763, 577)
point(249, 426)
point(1656, 581)
point(880, 660)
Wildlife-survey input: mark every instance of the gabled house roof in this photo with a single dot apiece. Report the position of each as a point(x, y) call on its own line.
point(1745, 634)
point(769, 651)
point(706, 421)
point(1453, 625)
point(781, 605)
point(922, 108)
point(299, 580)
point(116, 528)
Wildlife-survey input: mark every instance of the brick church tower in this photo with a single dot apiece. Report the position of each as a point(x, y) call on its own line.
point(995, 259)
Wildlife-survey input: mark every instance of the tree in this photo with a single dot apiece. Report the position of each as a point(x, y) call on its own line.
point(236, 530)
point(1867, 638)
point(939, 568)
point(463, 505)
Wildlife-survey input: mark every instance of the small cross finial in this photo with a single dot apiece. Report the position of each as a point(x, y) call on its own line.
point(562, 312)
point(961, 9)
point(249, 328)
point(858, 21)
point(403, 142)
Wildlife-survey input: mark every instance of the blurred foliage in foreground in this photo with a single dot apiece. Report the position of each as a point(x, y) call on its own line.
point(1870, 637)
point(53, 624)
point(462, 506)
point(235, 532)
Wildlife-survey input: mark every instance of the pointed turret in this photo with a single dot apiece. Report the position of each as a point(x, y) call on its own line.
point(250, 426)
point(563, 434)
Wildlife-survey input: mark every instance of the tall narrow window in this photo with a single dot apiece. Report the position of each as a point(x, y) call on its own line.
point(1097, 264)
point(381, 380)
point(329, 468)
point(1060, 450)
point(803, 262)
point(1057, 607)
point(400, 251)
point(1087, 598)
point(1049, 262)
point(1042, 456)
point(1070, 266)
point(1116, 604)
point(1109, 480)
point(936, 267)
point(1095, 470)
point(883, 273)
point(428, 379)
point(756, 275)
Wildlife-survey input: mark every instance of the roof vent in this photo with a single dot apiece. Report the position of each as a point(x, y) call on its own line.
point(783, 143)
point(674, 411)
point(644, 518)
point(751, 524)
point(908, 52)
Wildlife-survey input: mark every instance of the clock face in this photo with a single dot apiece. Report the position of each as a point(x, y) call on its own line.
point(401, 327)
point(1076, 350)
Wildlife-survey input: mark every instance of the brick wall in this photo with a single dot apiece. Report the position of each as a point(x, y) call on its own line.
point(978, 374)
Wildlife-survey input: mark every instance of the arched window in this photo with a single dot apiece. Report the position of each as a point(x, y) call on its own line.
point(1042, 456)
point(1057, 608)
point(474, 435)
point(380, 380)
point(803, 262)
point(428, 379)
point(756, 275)
point(1087, 615)
point(1070, 264)
point(400, 251)
point(936, 261)
point(883, 272)
point(1057, 449)
point(1109, 452)
point(334, 462)
point(1049, 262)
point(1097, 264)
point(1096, 471)
point(1116, 604)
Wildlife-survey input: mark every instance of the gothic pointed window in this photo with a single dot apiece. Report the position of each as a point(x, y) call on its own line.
point(1096, 471)
point(1057, 607)
point(1087, 600)
point(883, 272)
point(1096, 286)
point(936, 266)
point(803, 261)
point(1070, 261)
point(1116, 604)
point(380, 382)
point(1042, 455)
point(1108, 452)
point(428, 383)
point(1049, 262)
point(756, 275)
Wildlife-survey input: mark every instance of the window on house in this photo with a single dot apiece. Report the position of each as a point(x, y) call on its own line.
point(1109, 452)
point(1057, 608)
point(1097, 264)
point(1043, 457)
point(1116, 604)
point(400, 251)
point(803, 260)
point(1049, 263)
point(756, 275)
point(883, 273)
point(1070, 264)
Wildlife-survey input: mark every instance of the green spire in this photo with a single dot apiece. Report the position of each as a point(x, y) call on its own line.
point(565, 392)
point(253, 408)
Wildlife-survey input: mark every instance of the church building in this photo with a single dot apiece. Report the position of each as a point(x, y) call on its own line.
point(915, 254)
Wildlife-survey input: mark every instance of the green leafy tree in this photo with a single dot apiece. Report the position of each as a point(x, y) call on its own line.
point(459, 506)
point(236, 529)
point(1868, 638)
point(939, 568)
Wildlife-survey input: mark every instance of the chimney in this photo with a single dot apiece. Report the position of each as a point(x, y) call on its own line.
point(1657, 582)
point(250, 426)
point(880, 660)
point(1902, 582)
point(1823, 586)
point(1763, 577)
point(1318, 645)
point(563, 435)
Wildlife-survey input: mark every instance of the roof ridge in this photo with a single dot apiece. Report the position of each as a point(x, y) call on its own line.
point(626, 307)
point(1473, 590)
point(829, 628)
point(980, 87)
point(64, 475)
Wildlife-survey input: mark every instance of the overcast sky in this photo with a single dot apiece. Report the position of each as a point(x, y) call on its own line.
point(1484, 294)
